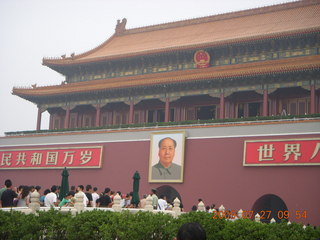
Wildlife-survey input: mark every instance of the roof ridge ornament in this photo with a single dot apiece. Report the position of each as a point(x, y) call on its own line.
point(121, 26)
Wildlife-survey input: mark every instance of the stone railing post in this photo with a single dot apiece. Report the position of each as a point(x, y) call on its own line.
point(149, 206)
point(240, 214)
point(222, 208)
point(79, 206)
point(257, 218)
point(116, 203)
point(214, 211)
point(222, 211)
point(34, 201)
point(201, 207)
point(176, 207)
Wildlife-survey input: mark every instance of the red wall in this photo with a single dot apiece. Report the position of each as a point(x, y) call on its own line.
point(213, 172)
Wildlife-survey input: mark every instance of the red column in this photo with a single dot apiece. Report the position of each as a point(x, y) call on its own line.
point(178, 113)
point(51, 122)
point(98, 113)
point(227, 109)
point(222, 106)
point(167, 110)
point(246, 110)
point(230, 110)
point(265, 103)
point(39, 119)
point(111, 113)
point(67, 118)
point(275, 110)
point(131, 110)
point(272, 108)
point(312, 99)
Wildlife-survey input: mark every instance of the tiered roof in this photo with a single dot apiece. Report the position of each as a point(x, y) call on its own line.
point(227, 71)
point(244, 26)
point(261, 23)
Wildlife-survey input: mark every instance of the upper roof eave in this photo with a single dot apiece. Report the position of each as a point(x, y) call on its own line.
point(51, 62)
point(65, 60)
point(287, 16)
point(220, 72)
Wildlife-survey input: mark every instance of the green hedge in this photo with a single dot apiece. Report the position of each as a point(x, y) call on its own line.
point(142, 225)
point(166, 124)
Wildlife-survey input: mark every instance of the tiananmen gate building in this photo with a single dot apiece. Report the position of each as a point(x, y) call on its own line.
point(238, 92)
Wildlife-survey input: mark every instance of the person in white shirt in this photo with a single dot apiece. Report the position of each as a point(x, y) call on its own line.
point(85, 199)
point(162, 203)
point(95, 196)
point(51, 199)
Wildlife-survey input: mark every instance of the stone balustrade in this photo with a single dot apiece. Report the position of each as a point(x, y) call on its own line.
point(34, 206)
point(78, 207)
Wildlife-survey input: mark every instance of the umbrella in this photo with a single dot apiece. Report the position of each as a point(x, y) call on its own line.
point(135, 197)
point(64, 189)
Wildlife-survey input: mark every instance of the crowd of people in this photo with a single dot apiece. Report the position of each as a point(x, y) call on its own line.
point(19, 197)
point(11, 196)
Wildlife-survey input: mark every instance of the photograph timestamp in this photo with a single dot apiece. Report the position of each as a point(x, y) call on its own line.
point(264, 214)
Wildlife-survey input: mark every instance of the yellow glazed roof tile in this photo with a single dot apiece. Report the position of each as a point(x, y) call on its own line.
point(278, 20)
point(247, 69)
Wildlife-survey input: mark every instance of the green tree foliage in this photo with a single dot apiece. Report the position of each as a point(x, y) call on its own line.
point(213, 227)
point(99, 224)
point(160, 124)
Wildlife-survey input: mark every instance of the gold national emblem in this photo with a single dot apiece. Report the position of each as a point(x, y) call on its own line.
point(202, 59)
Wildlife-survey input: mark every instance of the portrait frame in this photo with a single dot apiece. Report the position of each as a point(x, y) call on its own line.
point(178, 160)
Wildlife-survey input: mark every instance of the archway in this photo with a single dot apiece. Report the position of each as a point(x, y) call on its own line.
point(170, 192)
point(270, 206)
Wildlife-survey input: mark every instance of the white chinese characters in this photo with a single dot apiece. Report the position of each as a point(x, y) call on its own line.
point(287, 152)
point(36, 158)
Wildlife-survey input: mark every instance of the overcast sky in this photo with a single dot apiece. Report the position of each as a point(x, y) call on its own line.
point(33, 29)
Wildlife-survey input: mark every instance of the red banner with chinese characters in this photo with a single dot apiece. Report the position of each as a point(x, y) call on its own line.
point(51, 158)
point(284, 152)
